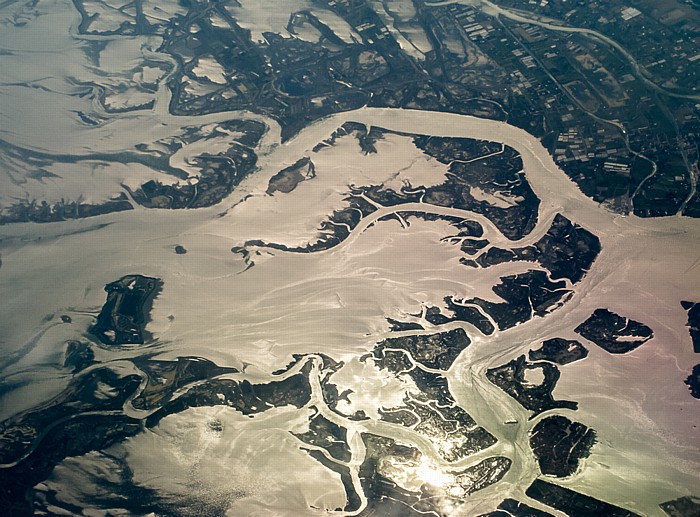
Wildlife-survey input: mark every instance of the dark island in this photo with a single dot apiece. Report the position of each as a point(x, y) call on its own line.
point(535, 397)
point(401, 326)
point(567, 250)
point(614, 333)
point(513, 508)
point(560, 444)
point(460, 312)
point(491, 183)
point(385, 458)
point(327, 435)
point(242, 396)
point(573, 504)
point(524, 295)
point(693, 324)
point(218, 173)
point(124, 315)
point(560, 351)
point(693, 381)
point(99, 389)
point(164, 378)
point(288, 178)
point(435, 351)
point(682, 507)
point(499, 176)
point(78, 356)
point(432, 411)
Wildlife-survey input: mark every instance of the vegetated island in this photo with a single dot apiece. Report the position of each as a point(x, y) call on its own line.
point(560, 351)
point(288, 178)
point(560, 444)
point(682, 507)
point(431, 411)
point(693, 381)
point(614, 333)
point(126, 312)
point(693, 309)
point(513, 508)
point(574, 504)
point(567, 250)
point(536, 397)
point(384, 480)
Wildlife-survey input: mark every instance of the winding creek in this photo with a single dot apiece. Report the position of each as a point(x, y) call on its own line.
point(631, 275)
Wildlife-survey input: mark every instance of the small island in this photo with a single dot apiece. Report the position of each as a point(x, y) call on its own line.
point(327, 435)
point(78, 356)
point(126, 312)
point(560, 351)
point(693, 310)
point(288, 178)
point(614, 333)
point(693, 382)
point(682, 507)
point(560, 444)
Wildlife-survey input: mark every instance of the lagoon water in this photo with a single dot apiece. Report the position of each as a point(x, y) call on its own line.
point(334, 302)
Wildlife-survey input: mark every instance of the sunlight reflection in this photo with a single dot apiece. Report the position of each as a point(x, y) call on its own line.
point(433, 475)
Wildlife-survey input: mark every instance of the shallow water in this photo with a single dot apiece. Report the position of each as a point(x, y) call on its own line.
point(335, 302)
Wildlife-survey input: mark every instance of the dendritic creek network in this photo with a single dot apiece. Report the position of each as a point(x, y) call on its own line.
point(349, 257)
